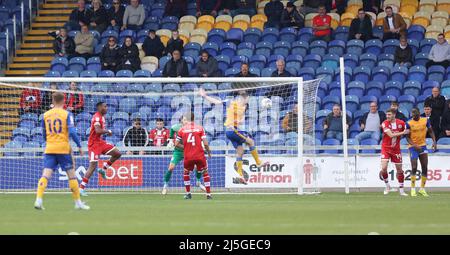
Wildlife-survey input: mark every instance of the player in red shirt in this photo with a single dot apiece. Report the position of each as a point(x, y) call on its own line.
point(322, 25)
point(190, 138)
point(159, 135)
point(393, 129)
point(97, 146)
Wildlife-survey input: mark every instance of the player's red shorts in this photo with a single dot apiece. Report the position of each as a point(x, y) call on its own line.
point(394, 156)
point(98, 149)
point(192, 163)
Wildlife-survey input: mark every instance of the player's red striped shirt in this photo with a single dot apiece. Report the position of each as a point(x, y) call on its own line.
point(94, 138)
point(392, 143)
point(192, 136)
point(159, 137)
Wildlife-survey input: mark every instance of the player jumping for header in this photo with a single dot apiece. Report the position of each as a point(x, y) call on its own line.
point(59, 125)
point(177, 156)
point(393, 129)
point(234, 123)
point(97, 146)
point(419, 127)
point(190, 138)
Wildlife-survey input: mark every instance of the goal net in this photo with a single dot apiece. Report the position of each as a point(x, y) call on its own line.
point(280, 118)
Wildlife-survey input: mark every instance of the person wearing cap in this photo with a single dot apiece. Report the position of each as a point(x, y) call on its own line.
point(291, 17)
point(152, 45)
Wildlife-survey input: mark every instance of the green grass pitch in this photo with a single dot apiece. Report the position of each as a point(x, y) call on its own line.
point(327, 213)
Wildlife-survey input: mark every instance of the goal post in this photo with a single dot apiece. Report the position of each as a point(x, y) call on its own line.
point(284, 134)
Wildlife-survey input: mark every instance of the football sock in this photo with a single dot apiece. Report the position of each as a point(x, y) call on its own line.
point(84, 183)
point(42, 185)
point(401, 179)
point(413, 181)
point(255, 154)
point(423, 181)
point(167, 176)
point(239, 163)
point(73, 185)
point(206, 180)
point(385, 177)
point(187, 182)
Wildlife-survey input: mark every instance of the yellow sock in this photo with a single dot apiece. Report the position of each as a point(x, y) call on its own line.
point(73, 185)
point(255, 155)
point(422, 183)
point(239, 167)
point(413, 181)
point(42, 185)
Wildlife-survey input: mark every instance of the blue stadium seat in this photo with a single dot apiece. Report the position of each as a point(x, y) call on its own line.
point(444, 141)
point(355, 47)
point(271, 62)
point(386, 60)
point(354, 130)
point(436, 73)
point(416, 32)
point(312, 60)
point(330, 60)
point(390, 45)
point(414, 44)
point(108, 33)
point(294, 61)
point(124, 73)
point(163, 60)
point(255, 70)
point(362, 73)
point(135, 88)
point(264, 48)
point(299, 48)
point(252, 35)
point(77, 64)
point(228, 49)
point(99, 88)
point(393, 88)
point(375, 88)
point(235, 35)
point(421, 59)
point(407, 102)
point(59, 64)
point(341, 33)
point(106, 73)
point(270, 35)
point(368, 59)
point(230, 72)
point(305, 34)
point(211, 47)
point(368, 142)
point(399, 73)
point(318, 47)
point(427, 86)
point(381, 74)
point(348, 74)
point(445, 88)
point(352, 103)
point(223, 62)
point(258, 61)
point(282, 48)
point(70, 73)
point(171, 87)
point(169, 22)
point(15, 145)
point(373, 46)
point(385, 102)
point(127, 105)
point(321, 115)
point(142, 73)
point(158, 72)
point(325, 73)
point(88, 73)
point(237, 61)
point(308, 73)
point(217, 36)
point(417, 73)
point(336, 47)
point(426, 44)
point(356, 88)
point(351, 60)
point(331, 142)
point(329, 101)
point(364, 102)
point(267, 72)
point(192, 49)
point(288, 34)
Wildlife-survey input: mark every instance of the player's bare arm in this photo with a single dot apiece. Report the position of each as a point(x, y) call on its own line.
point(102, 131)
point(213, 100)
point(396, 134)
point(433, 137)
point(179, 145)
point(206, 144)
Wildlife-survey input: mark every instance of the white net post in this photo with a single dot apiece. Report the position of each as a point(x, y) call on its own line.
point(344, 125)
point(300, 137)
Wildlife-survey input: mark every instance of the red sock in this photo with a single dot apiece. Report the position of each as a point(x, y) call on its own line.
point(107, 165)
point(401, 179)
point(385, 176)
point(83, 183)
point(206, 180)
point(187, 182)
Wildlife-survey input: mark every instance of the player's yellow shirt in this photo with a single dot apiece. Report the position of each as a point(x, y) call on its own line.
point(56, 123)
point(235, 115)
point(418, 130)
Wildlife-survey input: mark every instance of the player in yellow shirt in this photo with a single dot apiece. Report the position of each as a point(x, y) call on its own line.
point(419, 127)
point(235, 118)
point(59, 125)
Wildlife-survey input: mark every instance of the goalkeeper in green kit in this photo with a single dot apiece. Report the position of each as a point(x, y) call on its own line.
point(177, 156)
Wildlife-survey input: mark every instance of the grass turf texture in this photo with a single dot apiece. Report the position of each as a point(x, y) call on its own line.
point(328, 213)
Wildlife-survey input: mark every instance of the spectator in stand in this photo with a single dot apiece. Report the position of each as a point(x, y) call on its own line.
point(322, 25)
point(437, 103)
point(136, 137)
point(332, 124)
point(74, 100)
point(290, 121)
point(47, 101)
point(281, 69)
point(152, 45)
point(115, 15)
point(435, 121)
point(244, 7)
point(312, 6)
point(64, 46)
point(134, 16)
point(273, 10)
point(129, 56)
point(361, 27)
point(84, 43)
point(176, 8)
point(176, 66)
point(78, 17)
point(372, 6)
point(99, 18)
point(394, 25)
point(109, 57)
point(371, 123)
point(174, 43)
point(290, 17)
point(208, 7)
point(283, 91)
point(439, 53)
point(403, 53)
point(159, 136)
point(207, 66)
point(398, 115)
point(30, 101)
point(245, 71)
point(445, 124)
point(227, 7)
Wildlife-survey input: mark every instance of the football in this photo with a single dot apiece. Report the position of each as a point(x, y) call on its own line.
point(266, 103)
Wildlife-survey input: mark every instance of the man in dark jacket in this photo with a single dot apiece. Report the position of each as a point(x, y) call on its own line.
point(109, 57)
point(361, 27)
point(207, 66)
point(174, 43)
point(398, 115)
point(273, 11)
point(435, 121)
point(208, 7)
point(152, 45)
point(176, 66)
point(129, 56)
point(283, 91)
point(136, 137)
point(291, 18)
point(403, 53)
point(372, 6)
point(176, 8)
point(244, 7)
point(371, 123)
point(64, 46)
point(244, 73)
point(437, 103)
point(115, 15)
point(226, 7)
point(332, 124)
point(99, 17)
point(78, 17)
point(312, 6)
point(445, 124)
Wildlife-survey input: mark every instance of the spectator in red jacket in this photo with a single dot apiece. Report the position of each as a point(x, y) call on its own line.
point(322, 25)
point(30, 101)
point(159, 135)
point(74, 101)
